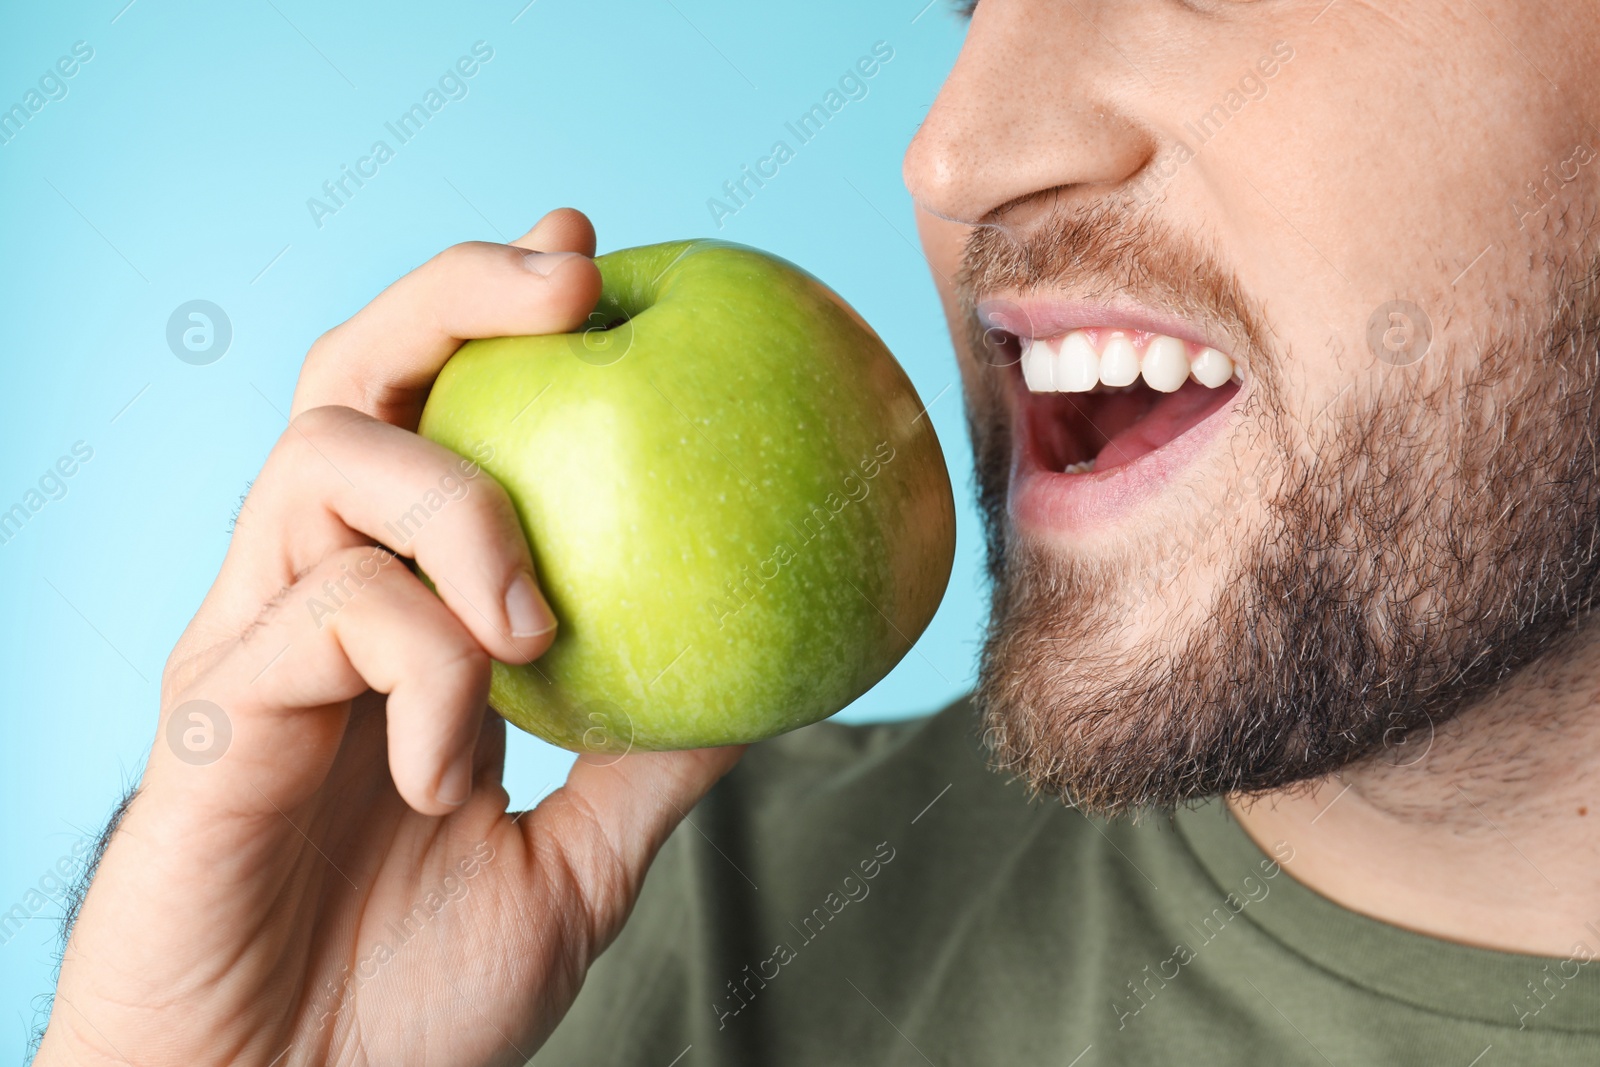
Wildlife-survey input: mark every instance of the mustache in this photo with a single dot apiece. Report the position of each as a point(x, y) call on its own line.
point(1107, 252)
point(1095, 252)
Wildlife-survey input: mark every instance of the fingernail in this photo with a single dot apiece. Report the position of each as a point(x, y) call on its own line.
point(456, 785)
point(526, 608)
point(545, 263)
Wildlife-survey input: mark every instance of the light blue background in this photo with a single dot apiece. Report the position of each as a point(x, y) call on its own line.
point(178, 167)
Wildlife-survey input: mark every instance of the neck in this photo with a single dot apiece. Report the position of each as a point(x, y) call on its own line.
point(1487, 833)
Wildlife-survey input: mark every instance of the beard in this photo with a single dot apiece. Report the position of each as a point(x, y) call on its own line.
point(1422, 540)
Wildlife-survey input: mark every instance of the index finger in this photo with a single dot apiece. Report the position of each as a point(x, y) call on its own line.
point(383, 360)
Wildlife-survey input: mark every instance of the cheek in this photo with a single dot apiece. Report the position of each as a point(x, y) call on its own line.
point(1407, 206)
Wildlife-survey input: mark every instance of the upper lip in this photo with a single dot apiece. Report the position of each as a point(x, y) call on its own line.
point(1035, 316)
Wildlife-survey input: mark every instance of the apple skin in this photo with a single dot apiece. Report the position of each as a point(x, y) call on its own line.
point(737, 505)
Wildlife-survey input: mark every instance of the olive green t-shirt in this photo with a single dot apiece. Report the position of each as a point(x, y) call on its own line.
point(876, 895)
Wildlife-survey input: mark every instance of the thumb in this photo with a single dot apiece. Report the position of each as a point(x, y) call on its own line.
point(613, 815)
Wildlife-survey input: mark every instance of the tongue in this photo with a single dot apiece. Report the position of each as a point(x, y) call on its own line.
point(1171, 416)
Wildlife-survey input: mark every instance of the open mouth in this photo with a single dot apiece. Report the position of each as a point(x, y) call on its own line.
point(1096, 399)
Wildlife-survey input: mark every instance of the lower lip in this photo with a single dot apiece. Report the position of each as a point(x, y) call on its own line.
point(1050, 501)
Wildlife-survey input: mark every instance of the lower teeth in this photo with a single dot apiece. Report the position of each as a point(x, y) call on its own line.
point(1079, 468)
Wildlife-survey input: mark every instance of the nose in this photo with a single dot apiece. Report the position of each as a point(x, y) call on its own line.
point(1033, 104)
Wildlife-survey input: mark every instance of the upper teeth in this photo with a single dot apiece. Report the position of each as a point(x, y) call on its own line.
point(1075, 365)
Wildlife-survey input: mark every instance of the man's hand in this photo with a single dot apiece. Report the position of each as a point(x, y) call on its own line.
point(345, 884)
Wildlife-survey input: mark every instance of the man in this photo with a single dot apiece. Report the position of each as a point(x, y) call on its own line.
point(1277, 324)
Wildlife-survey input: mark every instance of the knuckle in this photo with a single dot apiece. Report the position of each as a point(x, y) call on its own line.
point(328, 343)
point(472, 509)
point(486, 506)
point(311, 432)
point(466, 255)
point(494, 494)
point(322, 422)
point(461, 659)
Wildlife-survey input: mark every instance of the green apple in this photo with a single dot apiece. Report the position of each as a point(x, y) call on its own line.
point(736, 502)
